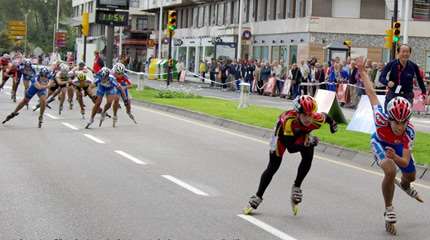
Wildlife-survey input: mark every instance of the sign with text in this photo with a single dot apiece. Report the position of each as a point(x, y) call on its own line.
point(114, 4)
point(16, 30)
point(111, 18)
point(60, 39)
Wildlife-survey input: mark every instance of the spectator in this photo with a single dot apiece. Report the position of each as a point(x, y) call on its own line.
point(402, 72)
point(295, 76)
point(320, 75)
point(212, 71)
point(203, 69)
point(377, 82)
point(98, 62)
point(305, 70)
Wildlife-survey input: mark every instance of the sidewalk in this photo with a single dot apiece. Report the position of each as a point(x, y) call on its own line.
point(194, 85)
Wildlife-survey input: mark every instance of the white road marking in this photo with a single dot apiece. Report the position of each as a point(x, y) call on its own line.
point(69, 126)
point(94, 138)
point(185, 185)
point(52, 116)
point(128, 156)
point(266, 227)
point(267, 142)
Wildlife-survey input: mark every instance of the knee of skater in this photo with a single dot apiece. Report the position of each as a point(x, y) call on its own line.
point(390, 173)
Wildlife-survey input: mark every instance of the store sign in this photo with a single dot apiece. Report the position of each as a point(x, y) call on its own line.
point(246, 35)
point(114, 4)
point(111, 18)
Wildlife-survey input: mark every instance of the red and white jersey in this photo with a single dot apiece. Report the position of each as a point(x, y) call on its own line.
point(385, 134)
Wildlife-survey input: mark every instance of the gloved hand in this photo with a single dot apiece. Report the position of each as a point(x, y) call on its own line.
point(312, 141)
point(333, 126)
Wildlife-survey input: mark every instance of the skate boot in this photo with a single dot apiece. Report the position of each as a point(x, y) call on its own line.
point(102, 118)
point(40, 121)
point(60, 109)
point(131, 116)
point(410, 191)
point(254, 202)
point(296, 198)
point(10, 116)
point(89, 123)
point(71, 104)
point(390, 220)
point(13, 97)
point(114, 121)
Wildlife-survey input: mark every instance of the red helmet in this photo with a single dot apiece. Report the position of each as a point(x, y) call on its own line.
point(305, 104)
point(399, 109)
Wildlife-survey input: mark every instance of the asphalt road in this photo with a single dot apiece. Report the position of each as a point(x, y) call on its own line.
point(173, 178)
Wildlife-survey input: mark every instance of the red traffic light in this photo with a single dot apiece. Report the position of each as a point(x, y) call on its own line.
point(397, 25)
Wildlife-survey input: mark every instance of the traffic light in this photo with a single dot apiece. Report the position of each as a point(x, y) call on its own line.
point(347, 43)
point(171, 20)
point(388, 39)
point(85, 24)
point(396, 32)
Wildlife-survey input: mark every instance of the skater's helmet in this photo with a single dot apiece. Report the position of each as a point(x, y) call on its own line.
point(64, 68)
point(26, 63)
point(399, 109)
point(119, 68)
point(81, 76)
point(305, 104)
point(104, 72)
point(44, 72)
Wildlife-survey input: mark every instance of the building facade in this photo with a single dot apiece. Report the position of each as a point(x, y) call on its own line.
point(291, 30)
point(135, 37)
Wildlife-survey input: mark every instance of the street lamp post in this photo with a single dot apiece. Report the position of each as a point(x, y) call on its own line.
point(26, 32)
point(56, 27)
point(160, 26)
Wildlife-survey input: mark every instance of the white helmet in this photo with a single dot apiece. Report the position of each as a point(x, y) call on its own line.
point(119, 68)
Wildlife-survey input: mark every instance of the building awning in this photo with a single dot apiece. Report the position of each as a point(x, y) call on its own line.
point(140, 42)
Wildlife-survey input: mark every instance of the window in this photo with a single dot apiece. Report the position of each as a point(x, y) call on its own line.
point(271, 9)
point(142, 23)
point(247, 10)
point(134, 3)
point(421, 10)
point(190, 18)
point(291, 8)
point(255, 10)
point(206, 16)
point(220, 17)
point(228, 13)
point(201, 17)
point(235, 10)
point(257, 53)
point(276, 53)
point(195, 16)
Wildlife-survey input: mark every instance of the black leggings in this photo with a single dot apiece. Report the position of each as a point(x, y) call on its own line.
point(275, 161)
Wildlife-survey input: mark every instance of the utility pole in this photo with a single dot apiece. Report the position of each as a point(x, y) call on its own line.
point(160, 30)
point(56, 25)
point(393, 20)
point(239, 34)
point(406, 21)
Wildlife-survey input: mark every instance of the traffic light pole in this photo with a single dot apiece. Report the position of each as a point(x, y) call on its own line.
point(169, 62)
point(393, 20)
point(109, 46)
point(84, 58)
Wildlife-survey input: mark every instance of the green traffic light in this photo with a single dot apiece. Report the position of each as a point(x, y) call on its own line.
point(396, 39)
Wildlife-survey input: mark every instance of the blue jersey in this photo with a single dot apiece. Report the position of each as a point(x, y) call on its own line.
point(109, 82)
point(27, 73)
point(40, 80)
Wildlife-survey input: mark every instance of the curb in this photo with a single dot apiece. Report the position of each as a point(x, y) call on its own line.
point(264, 133)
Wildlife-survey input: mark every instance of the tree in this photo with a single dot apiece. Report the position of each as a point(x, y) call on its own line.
point(41, 19)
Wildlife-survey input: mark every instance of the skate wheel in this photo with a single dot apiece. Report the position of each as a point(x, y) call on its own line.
point(391, 228)
point(419, 199)
point(247, 210)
